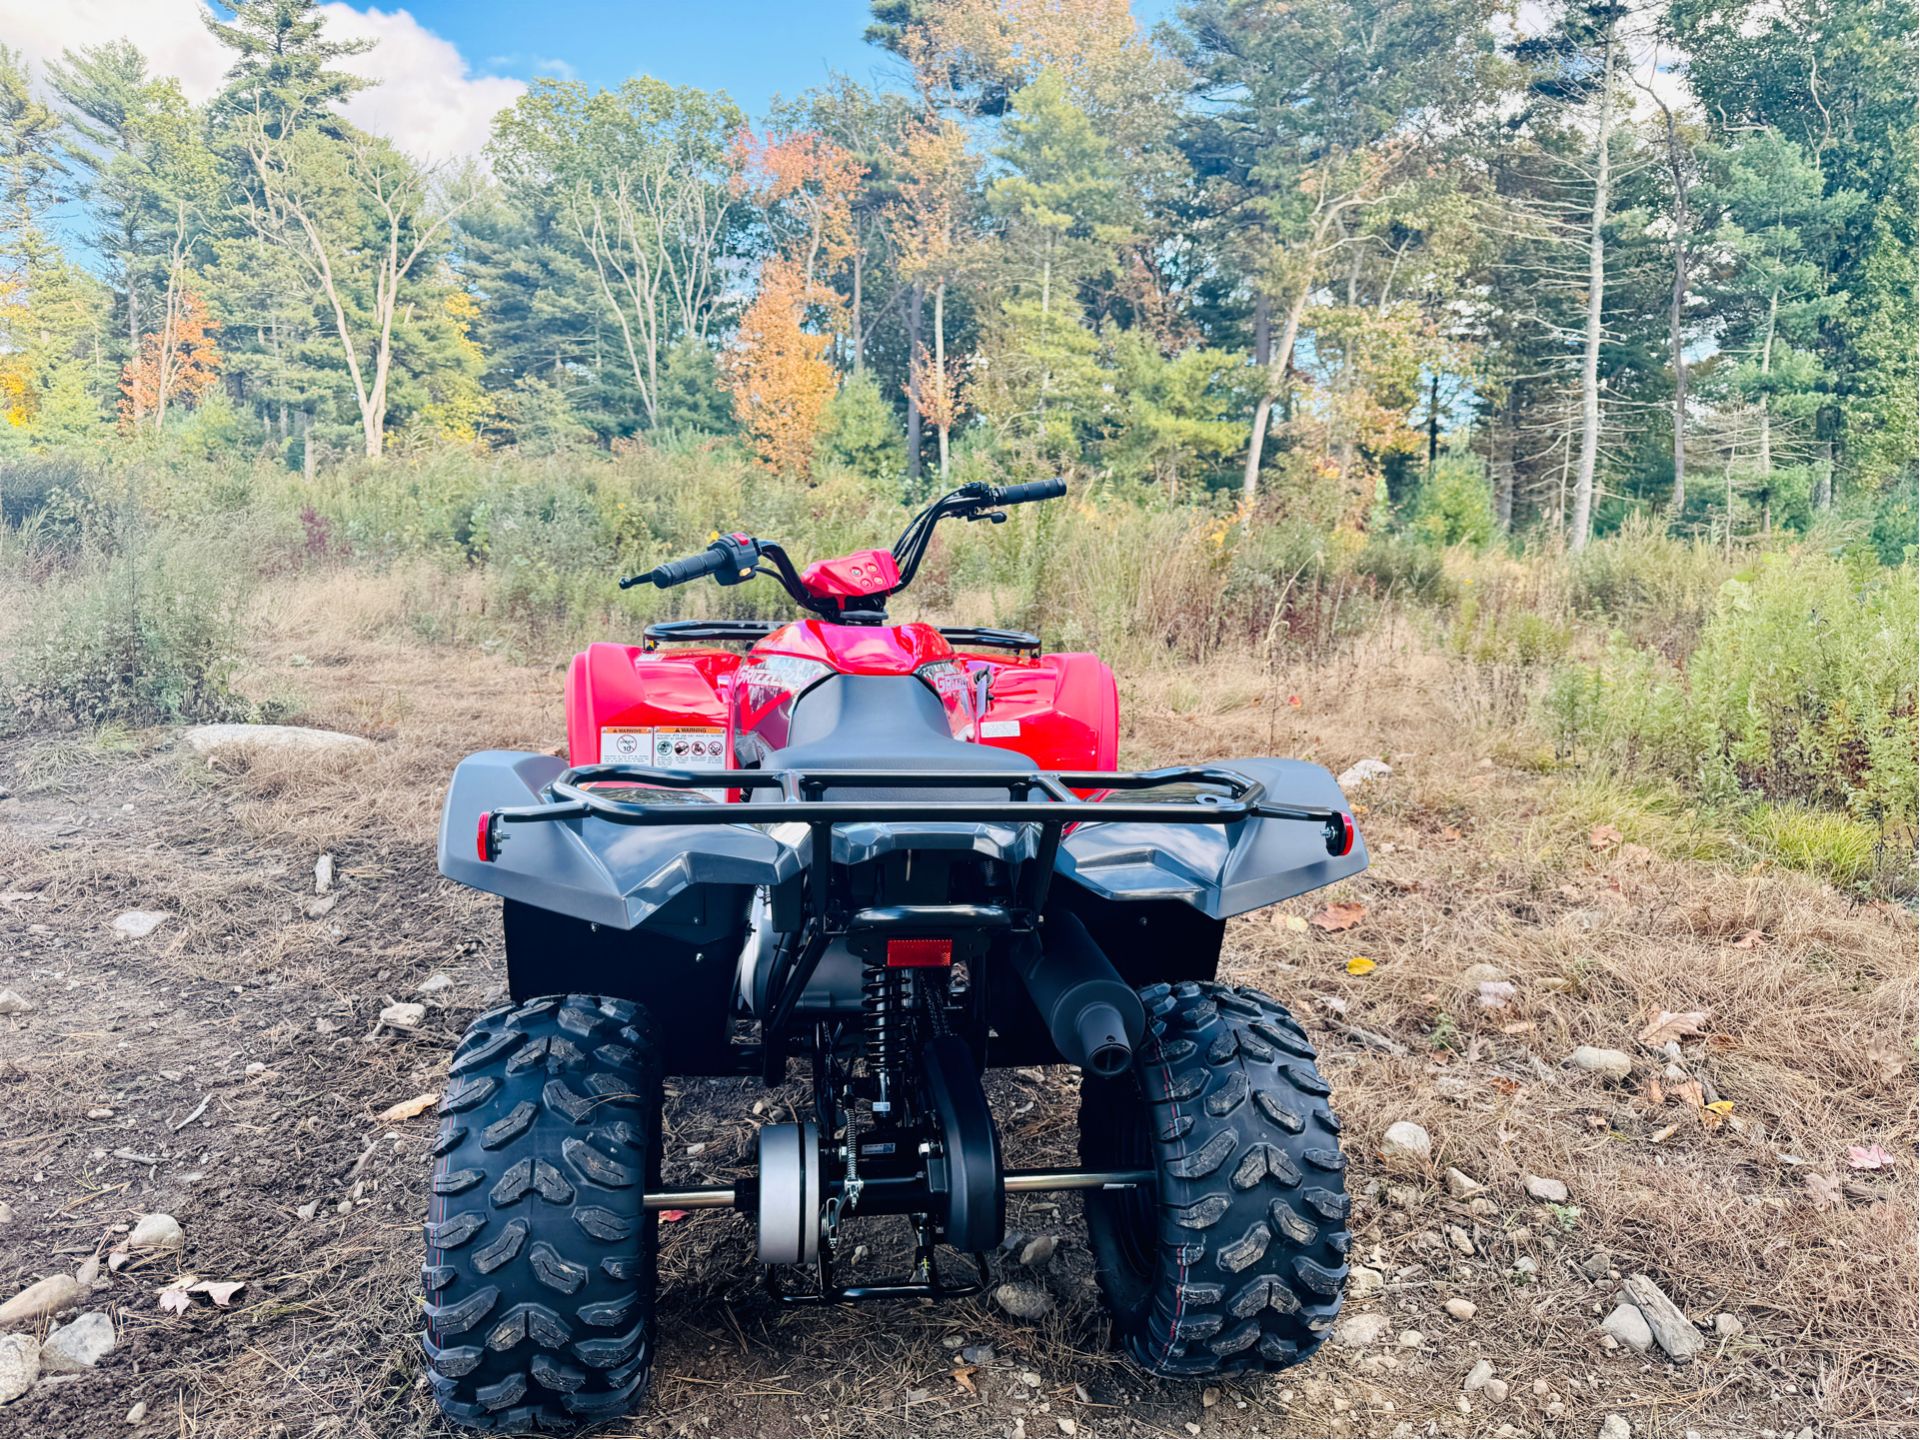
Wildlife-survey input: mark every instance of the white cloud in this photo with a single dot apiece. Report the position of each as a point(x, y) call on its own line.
point(427, 100)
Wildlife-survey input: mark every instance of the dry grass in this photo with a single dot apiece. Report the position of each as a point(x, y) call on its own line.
point(1478, 858)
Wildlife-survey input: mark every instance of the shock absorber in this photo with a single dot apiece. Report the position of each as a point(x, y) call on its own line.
point(880, 1001)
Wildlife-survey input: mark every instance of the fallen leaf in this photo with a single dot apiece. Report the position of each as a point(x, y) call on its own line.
point(667, 1217)
point(1518, 1027)
point(1665, 1025)
point(1632, 854)
point(1688, 1092)
point(1504, 1084)
point(174, 1300)
point(1361, 965)
point(221, 1292)
point(1293, 702)
point(1886, 1056)
point(1656, 1094)
point(1665, 1132)
point(1343, 915)
point(1292, 922)
point(1748, 941)
point(1451, 832)
point(407, 1109)
point(963, 1377)
point(1715, 1115)
point(1870, 1157)
point(1603, 837)
point(1596, 1122)
point(1824, 1190)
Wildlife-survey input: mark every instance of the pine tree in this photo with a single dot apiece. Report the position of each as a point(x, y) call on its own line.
point(282, 67)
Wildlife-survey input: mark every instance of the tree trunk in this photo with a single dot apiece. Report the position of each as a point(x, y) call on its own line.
point(1276, 377)
point(1766, 397)
point(1596, 299)
point(1676, 308)
point(1823, 478)
point(940, 369)
point(859, 265)
point(916, 426)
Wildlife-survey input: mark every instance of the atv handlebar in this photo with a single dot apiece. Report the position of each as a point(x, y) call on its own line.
point(730, 559)
point(1031, 491)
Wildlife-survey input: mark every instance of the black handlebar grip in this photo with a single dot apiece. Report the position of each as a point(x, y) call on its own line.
point(1032, 490)
point(678, 572)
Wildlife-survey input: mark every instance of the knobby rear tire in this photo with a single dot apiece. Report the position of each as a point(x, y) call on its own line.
point(539, 1274)
point(1236, 1260)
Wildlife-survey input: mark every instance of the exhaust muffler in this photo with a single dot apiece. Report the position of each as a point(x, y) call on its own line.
point(1093, 1015)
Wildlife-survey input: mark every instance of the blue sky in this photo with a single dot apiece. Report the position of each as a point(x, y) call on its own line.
point(752, 49)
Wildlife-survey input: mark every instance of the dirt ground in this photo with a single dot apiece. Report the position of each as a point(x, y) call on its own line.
point(226, 1070)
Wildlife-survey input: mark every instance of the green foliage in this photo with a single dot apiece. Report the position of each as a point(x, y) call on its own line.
point(142, 630)
point(691, 400)
point(1835, 847)
point(862, 433)
point(1455, 505)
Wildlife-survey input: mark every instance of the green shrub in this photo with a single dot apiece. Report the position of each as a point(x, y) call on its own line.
point(1455, 505)
point(862, 434)
point(146, 633)
point(1659, 589)
point(1834, 847)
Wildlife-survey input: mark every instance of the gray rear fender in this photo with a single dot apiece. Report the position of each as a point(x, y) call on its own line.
point(596, 870)
point(1220, 870)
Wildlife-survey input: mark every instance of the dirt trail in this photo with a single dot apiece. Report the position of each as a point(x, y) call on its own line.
point(244, 1000)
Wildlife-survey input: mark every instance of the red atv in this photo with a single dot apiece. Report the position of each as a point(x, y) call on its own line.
point(899, 853)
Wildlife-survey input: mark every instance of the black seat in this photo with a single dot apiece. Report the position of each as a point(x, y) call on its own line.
point(883, 722)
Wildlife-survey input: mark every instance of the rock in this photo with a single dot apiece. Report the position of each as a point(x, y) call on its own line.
point(1597, 1265)
point(1462, 1241)
point(1460, 1309)
point(79, 1345)
point(1039, 1250)
point(1627, 1325)
point(977, 1354)
point(1406, 1144)
point(42, 1298)
point(12, 1004)
point(308, 1210)
point(403, 1016)
point(156, 1232)
point(1030, 1379)
point(1615, 1427)
point(1550, 1191)
point(434, 984)
point(1478, 1377)
point(6, 1214)
point(1474, 976)
point(1209, 1397)
point(1067, 1426)
point(1461, 1185)
point(137, 1413)
point(1670, 1325)
point(1361, 771)
point(1483, 1206)
point(1727, 1326)
point(1411, 1339)
point(89, 1270)
point(138, 924)
point(1022, 1301)
point(243, 744)
point(323, 875)
point(19, 1366)
point(1356, 1332)
point(1495, 1390)
point(1364, 1280)
point(1612, 1063)
point(320, 907)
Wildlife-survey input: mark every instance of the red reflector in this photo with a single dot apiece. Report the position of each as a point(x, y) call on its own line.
point(483, 836)
point(1340, 834)
point(918, 954)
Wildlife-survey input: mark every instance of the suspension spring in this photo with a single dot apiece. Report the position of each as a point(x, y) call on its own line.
point(886, 1037)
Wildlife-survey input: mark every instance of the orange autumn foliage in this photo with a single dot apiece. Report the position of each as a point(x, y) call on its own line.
point(778, 373)
point(177, 364)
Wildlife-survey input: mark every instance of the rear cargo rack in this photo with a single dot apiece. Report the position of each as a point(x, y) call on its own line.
point(713, 632)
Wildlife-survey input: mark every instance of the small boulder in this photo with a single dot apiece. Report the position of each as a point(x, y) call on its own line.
point(1361, 771)
point(1615, 1064)
point(79, 1345)
point(12, 1004)
point(1023, 1302)
point(1460, 1309)
point(320, 906)
point(138, 924)
point(1356, 1332)
point(1547, 1190)
point(406, 1015)
point(6, 1214)
point(137, 1412)
point(1411, 1339)
point(1627, 1325)
point(1461, 1240)
point(1615, 1427)
point(1039, 1250)
point(1496, 1390)
point(1461, 1185)
point(19, 1366)
point(42, 1298)
point(1406, 1145)
point(242, 744)
point(1478, 1377)
point(434, 984)
point(1727, 1326)
point(1364, 1280)
point(156, 1232)
point(323, 875)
